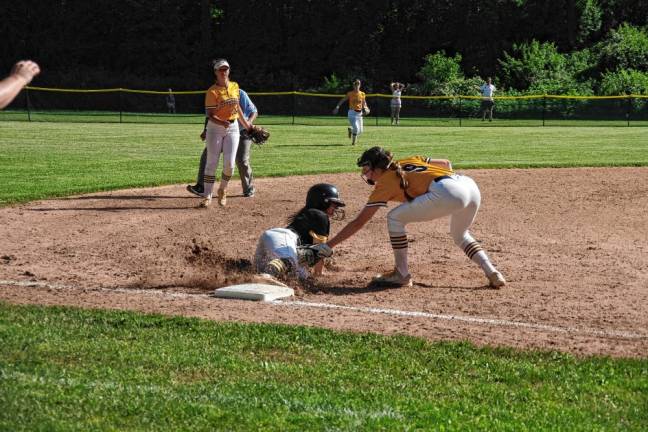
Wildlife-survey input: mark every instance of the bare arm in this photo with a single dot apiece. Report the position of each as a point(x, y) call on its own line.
point(354, 226)
point(337, 107)
point(245, 122)
point(443, 163)
point(318, 268)
point(21, 74)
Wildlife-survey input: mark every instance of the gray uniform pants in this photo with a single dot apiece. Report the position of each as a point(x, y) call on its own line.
point(242, 163)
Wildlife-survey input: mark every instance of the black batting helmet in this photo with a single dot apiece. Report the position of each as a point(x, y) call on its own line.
point(321, 195)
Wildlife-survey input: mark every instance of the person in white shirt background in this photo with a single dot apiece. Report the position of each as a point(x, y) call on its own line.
point(395, 104)
point(487, 89)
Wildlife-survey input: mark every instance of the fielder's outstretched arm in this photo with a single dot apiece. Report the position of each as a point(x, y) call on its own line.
point(337, 107)
point(354, 226)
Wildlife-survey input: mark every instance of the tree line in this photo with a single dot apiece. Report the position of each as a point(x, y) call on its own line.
point(437, 46)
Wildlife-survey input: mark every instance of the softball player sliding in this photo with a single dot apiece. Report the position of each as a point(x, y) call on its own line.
point(222, 109)
point(428, 189)
point(284, 252)
point(357, 108)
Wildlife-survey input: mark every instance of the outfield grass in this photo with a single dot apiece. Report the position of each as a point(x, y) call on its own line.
point(40, 160)
point(474, 119)
point(70, 369)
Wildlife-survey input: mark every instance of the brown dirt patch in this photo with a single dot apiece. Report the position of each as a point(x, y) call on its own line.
point(571, 242)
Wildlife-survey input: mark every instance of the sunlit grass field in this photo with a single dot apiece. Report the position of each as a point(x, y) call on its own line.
point(41, 159)
point(70, 369)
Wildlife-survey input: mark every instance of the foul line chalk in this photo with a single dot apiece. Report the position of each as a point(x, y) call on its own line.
point(156, 292)
point(468, 319)
point(394, 312)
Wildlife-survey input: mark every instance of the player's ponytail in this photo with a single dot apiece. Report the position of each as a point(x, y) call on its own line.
point(404, 184)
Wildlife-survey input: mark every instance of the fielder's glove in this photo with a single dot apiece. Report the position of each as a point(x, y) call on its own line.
point(258, 135)
point(311, 254)
point(366, 111)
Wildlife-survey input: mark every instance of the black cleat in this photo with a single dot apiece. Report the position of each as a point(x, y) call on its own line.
point(195, 189)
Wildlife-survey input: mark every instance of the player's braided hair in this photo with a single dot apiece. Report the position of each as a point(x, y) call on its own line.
point(378, 157)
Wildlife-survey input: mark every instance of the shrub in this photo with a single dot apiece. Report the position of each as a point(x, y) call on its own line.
point(626, 81)
point(539, 68)
point(624, 48)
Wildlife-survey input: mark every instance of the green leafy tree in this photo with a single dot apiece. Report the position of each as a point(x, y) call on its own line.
point(440, 74)
point(625, 81)
point(539, 68)
point(624, 48)
point(590, 20)
point(333, 84)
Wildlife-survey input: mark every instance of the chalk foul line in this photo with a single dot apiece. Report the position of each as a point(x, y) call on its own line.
point(361, 309)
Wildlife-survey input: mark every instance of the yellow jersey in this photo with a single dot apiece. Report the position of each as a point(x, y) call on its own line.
point(225, 100)
point(419, 173)
point(356, 100)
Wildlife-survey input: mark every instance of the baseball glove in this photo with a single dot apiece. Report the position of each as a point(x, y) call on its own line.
point(366, 111)
point(258, 135)
point(311, 254)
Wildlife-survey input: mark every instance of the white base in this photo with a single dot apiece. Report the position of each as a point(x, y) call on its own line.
point(254, 291)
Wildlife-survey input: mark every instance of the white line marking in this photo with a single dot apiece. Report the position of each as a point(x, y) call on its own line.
point(469, 319)
point(396, 312)
point(157, 292)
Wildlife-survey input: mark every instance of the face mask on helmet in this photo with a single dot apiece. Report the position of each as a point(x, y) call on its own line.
point(338, 214)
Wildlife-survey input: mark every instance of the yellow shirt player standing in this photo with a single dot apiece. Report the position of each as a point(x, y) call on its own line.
point(222, 108)
point(357, 109)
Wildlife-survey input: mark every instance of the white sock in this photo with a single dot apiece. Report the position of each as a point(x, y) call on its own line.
point(399, 246)
point(476, 254)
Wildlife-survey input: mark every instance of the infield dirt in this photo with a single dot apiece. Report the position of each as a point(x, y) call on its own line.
point(573, 244)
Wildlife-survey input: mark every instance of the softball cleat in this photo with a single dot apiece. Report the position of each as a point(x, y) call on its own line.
point(195, 189)
point(393, 278)
point(222, 197)
point(205, 202)
point(496, 279)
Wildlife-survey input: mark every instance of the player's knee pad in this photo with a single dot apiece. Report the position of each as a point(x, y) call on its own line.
point(278, 267)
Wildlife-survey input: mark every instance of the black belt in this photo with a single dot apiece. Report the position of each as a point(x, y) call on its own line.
point(438, 179)
point(231, 121)
point(357, 110)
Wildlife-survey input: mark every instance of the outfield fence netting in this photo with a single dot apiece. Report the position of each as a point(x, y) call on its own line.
point(300, 108)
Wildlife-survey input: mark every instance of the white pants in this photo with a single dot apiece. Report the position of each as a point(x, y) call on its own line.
point(355, 120)
point(220, 140)
point(457, 197)
point(278, 243)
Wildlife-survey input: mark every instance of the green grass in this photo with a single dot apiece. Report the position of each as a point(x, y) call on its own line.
point(41, 159)
point(71, 369)
point(383, 119)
